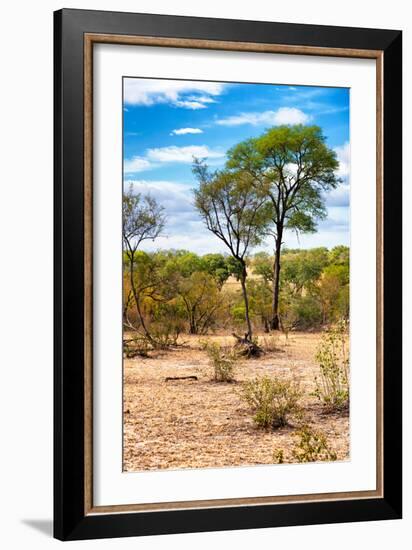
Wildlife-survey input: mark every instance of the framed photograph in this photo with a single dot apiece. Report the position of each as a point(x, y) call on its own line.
point(227, 274)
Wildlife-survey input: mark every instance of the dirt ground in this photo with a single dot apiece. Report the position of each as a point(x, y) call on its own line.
point(202, 423)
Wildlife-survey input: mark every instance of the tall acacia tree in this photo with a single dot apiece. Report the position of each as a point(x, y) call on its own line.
point(143, 219)
point(293, 167)
point(233, 210)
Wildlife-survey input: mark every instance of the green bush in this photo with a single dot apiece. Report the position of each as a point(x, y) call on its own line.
point(272, 400)
point(222, 360)
point(332, 387)
point(312, 446)
point(238, 314)
point(308, 311)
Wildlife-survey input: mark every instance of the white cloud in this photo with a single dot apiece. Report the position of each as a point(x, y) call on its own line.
point(339, 196)
point(284, 115)
point(328, 237)
point(136, 164)
point(182, 154)
point(190, 104)
point(171, 154)
point(195, 102)
point(198, 239)
point(343, 154)
point(337, 220)
point(183, 131)
point(175, 197)
point(139, 91)
point(291, 115)
point(203, 99)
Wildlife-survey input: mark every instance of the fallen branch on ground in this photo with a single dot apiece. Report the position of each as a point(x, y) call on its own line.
point(180, 378)
point(247, 347)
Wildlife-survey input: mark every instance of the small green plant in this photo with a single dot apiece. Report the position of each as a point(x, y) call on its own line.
point(332, 387)
point(279, 456)
point(272, 400)
point(222, 360)
point(312, 446)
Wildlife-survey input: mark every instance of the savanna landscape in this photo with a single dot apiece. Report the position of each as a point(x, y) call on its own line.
point(236, 344)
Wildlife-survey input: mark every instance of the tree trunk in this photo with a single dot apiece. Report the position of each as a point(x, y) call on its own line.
point(137, 301)
point(127, 304)
point(274, 322)
point(246, 300)
point(192, 324)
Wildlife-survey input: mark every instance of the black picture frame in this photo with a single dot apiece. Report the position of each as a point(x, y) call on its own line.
point(70, 520)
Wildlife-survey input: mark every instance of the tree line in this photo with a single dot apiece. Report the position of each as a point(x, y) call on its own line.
point(176, 291)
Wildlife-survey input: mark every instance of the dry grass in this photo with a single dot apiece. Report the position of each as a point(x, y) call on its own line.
point(200, 424)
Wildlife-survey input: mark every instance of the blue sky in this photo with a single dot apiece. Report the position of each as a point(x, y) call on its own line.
point(167, 122)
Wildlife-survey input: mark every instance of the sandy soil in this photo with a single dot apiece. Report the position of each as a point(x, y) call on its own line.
point(199, 424)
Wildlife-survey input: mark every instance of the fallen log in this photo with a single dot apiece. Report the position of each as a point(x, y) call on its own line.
point(180, 378)
point(246, 346)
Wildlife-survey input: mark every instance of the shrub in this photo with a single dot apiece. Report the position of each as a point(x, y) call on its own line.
point(273, 400)
point(332, 387)
point(312, 446)
point(238, 314)
point(165, 335)
point(270, 342)
point(222, 360)
point(136, 346)
point(203, 344)
point(279, 456)
point(308, 312)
